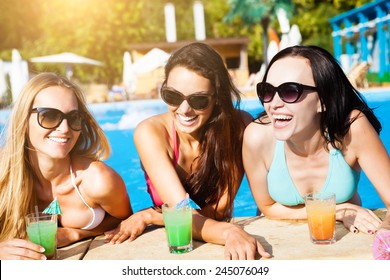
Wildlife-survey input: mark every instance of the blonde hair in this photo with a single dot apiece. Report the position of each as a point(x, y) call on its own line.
point(17, 197)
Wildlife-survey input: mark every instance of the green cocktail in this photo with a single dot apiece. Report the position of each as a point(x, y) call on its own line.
point(42, 230)
point(178, 226)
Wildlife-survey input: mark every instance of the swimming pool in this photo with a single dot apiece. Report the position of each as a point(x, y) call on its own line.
point(119, 120)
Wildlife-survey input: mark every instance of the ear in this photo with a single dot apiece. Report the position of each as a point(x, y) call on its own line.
point(320, 107)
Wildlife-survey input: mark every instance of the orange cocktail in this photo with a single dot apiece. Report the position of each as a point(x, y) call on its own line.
point(321, 217)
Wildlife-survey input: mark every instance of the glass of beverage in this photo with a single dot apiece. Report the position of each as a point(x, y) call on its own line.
point(321, 217)
point(42, 230)
point(178, 226)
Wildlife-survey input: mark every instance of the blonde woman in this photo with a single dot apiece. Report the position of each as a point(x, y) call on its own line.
point(52, 150)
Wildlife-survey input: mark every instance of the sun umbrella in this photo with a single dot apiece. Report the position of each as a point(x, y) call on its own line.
point(66, 58)
point(53, 208)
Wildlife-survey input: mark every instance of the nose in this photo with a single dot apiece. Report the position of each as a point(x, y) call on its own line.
point(276, 101)
point(184, 106)
point(64, 126)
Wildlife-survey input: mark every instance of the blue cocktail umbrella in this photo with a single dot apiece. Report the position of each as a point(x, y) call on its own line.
point(53, 208)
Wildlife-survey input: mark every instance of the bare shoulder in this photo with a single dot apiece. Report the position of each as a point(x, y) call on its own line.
point(360, 125)
point(98, 179)
point(258, 135)
point(155, 125)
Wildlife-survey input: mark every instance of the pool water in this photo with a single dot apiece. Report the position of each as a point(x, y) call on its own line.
point(119, 120)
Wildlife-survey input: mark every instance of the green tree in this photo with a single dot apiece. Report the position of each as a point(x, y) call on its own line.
point(254, 12)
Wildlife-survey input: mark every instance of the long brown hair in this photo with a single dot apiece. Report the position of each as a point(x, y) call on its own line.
point(218, 167)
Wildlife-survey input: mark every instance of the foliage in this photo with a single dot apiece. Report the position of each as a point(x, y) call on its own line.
point(102, 29)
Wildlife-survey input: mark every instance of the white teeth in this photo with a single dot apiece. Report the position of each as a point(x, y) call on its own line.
point(58, 139)
point(187, 119)
point(282, 117)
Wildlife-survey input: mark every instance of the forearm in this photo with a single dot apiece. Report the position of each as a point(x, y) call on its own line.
point(277, 211)
point(209, 230)
point(152, 216)
point(66, 236)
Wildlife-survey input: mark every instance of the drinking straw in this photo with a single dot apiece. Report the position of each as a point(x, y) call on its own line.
point(37, 216)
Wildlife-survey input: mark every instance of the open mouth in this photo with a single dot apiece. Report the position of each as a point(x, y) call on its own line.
point(281, 119)
point(187, 119)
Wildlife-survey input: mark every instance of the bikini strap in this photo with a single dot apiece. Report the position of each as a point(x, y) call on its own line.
point(76, 188)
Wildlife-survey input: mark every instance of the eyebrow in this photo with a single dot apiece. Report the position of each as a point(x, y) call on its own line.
point(197, 92)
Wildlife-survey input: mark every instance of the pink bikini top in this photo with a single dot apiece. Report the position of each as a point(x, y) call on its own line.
point(151, 190)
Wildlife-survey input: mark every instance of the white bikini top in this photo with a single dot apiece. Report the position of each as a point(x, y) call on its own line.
point(97, 213)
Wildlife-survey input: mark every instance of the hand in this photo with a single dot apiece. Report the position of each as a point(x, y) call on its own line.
point(360, 219)
point(130, 228)
point(19, 249)
point(240, 245)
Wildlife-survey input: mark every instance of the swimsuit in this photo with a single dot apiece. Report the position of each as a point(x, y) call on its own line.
point(98, 213)
point(151, 189)
point(341, 179)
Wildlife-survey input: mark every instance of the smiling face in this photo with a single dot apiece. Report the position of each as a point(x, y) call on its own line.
point(53, 143)
point(188, 82)
point(295, 119)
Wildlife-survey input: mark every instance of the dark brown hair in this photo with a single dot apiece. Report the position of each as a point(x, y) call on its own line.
point(218, 167)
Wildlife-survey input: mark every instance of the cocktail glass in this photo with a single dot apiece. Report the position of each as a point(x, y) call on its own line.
point(42, 230)
point(321, 217)
point(178, 227)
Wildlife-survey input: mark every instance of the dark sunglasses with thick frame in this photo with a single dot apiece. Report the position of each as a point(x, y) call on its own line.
point(289, 92)
point(197, 101)
point(50, 118)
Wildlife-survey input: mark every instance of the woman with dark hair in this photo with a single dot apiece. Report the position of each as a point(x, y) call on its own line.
point(317, 133)
point(195, 149)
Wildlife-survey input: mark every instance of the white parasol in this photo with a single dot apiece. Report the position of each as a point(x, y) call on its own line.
point(68, 59)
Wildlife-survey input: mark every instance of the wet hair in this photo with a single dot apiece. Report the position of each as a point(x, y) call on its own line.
point(216, 170)
point(337, 95)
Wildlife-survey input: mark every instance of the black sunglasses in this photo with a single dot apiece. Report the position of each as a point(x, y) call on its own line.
point(197, 101)
point(50, 118)
point(288, 92)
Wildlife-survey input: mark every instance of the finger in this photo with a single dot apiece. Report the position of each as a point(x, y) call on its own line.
point(115, 238)
point(353, 229)
point(261, 251)
point(133, 236)
point(227, 256)
point(27, 254)
point(122, 238)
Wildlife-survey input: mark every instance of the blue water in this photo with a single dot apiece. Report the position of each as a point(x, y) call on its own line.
point(119, 120)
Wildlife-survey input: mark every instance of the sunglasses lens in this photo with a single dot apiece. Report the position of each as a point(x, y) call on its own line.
point(171, 97)
point(49, 118)
point(199, 102)
point(265, 92)
point(289, 93)
point(75, 120)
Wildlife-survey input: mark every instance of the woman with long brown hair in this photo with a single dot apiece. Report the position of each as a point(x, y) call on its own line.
point(195, 149)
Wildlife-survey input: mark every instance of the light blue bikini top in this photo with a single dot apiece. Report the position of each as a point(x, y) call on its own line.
point(341, 179)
